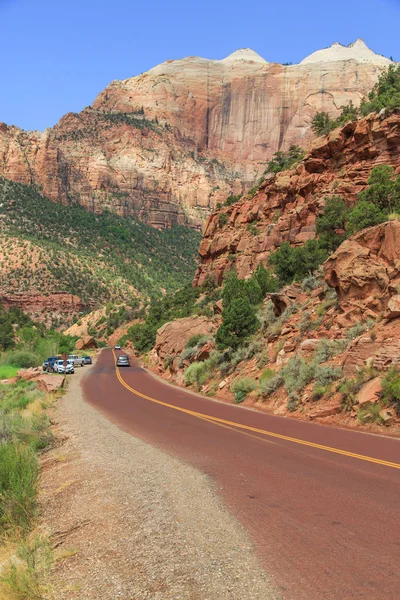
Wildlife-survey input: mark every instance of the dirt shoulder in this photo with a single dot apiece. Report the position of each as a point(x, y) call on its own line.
point(134, 523)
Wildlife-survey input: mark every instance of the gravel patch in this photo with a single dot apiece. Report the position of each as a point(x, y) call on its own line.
point(131, 522)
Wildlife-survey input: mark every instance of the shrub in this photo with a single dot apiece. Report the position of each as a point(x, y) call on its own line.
point(358, 329)
point(267, 282)
point(297, 374)
point(253, 291)
point(222, 219)
point(18, 482)
point(292, 405)
point(197, 339)
point(269, 385)
point(241, 387)
point(281, 161)
point(196, 373)
point(232, 200)
point(22, 359)
point(324, 375)
point(391, 388)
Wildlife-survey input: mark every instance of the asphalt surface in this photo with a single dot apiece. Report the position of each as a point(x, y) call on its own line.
point(321, 504)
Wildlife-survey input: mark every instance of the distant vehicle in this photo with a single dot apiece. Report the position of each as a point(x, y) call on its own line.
point(60, 368)
point(48, 365)
point(123, 361)
point(79, 361)
point(117, 347)
point(88, 360)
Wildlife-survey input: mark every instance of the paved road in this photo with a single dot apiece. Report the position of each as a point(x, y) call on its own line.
point(321, 504)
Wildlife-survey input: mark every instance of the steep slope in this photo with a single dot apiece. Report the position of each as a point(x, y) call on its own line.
point(285, 207)
point(56, 260)
point(168, 145)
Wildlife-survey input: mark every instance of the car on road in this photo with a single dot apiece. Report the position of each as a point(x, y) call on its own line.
point(48, 365)
point(79, 361)
point(117, 347)
point(68, 369)
point(88, 360)
point(123, 361)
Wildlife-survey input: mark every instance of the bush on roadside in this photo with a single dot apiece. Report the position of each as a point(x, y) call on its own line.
point(241, 387)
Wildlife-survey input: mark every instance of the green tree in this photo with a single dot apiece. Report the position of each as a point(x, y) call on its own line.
point(322, 124)
point(364, 214)
point(253, 291)
point(239, 321)
point(142, 336)
point(294, 264)
point(349, 113)
point(331, 225)
point(233, 288)
point(383, 189)
point(281, 161)
point(385, 93)
point(267, 282)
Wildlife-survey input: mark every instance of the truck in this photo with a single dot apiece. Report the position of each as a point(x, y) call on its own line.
point(78, 361)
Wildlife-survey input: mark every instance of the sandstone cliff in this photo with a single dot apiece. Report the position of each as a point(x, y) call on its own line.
point(168, 145)
point(285, 207)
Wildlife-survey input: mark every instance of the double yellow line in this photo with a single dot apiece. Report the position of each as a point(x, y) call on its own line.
point(245, 429)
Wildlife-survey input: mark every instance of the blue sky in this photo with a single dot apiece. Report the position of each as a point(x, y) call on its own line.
point(57, 55)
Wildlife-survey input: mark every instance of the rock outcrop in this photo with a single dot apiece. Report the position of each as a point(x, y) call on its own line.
point(285, 207)
point(172, 337)
point(168, 145)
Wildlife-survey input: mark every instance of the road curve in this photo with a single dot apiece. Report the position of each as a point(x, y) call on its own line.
point(321, 504)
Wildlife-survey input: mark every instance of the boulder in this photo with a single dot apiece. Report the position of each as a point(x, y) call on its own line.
point(367, 264)
point(86, 342)
point(172, 337)
point(393, 307)
point(327, 411)
point(369, 393)
point(28, 374)
point(387, 417)
point(309, 345)
point(50, 383)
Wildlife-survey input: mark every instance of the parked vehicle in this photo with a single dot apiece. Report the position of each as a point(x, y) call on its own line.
point(117, 347)
point(48, 365)
point(123, 361)
point(88, 360)
point(79, 361)
point(59, 367)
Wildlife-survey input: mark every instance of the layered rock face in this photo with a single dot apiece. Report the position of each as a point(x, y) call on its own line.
point(285, 207)
point(168, 145)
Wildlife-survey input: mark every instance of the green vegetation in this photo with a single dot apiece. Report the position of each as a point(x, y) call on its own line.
point(333, 219)
point(322, 124)
point(222, 219)
point(24, 343)
point(239, 321)
point(232, 200)
point(98, 257)
point(391, 389)
point(296, 263)
point(241, 387)
point(384, 94)
point(282, 161)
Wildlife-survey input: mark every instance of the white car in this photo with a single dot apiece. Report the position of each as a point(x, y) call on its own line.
point(60, 368)
point(117, 347)
point(78, 361)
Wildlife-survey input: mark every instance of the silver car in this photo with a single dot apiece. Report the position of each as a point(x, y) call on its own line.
point(60, 368)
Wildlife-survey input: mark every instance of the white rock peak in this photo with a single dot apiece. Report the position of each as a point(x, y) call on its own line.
point(357, 51)
point(245, 54)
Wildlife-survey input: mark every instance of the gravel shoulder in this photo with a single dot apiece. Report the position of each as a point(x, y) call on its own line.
point(129, 521)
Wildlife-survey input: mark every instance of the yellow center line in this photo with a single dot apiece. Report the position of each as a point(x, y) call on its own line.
point(240, 426)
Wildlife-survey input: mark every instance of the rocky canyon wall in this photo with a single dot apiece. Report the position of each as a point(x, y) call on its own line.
point(168, 145)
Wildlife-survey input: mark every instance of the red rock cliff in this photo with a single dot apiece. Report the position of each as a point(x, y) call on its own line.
point(285, 207)
point(207, 129)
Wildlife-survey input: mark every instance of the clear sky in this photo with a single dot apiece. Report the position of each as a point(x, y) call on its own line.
point(57, 55)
